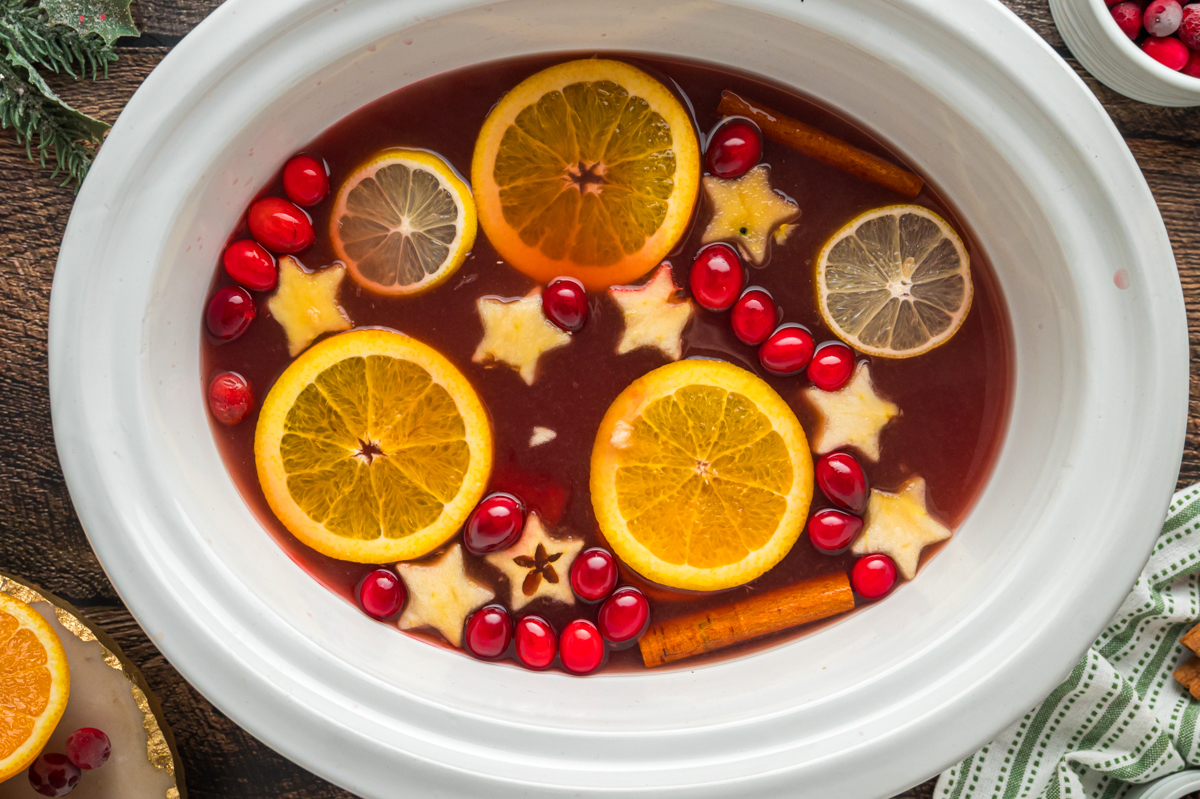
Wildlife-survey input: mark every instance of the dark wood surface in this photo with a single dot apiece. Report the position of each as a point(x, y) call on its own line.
point(40, 536)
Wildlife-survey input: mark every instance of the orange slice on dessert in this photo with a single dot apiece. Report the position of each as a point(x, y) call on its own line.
point(34, 684)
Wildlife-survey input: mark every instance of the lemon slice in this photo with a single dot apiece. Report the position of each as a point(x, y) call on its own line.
point(701, 476)
point(403, 222)
point(34, 684)
point(371, 447)
point(588, 169)
point(894, 282)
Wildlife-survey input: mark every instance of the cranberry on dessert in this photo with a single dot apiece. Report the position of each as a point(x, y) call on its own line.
point(305, 180)
point(624, 616)
point(593, 574)
point(53, 774)
point(280, 226)
point(832, 530)
point(230, 398)
point(248, 263)
point(494, 525)
point(873, 576)
point(1189, 28)
point(841, 478)
point(88, 748)
point(1128, 16)
point(381, 594)
point(1192, 67)
point(565, 303)
point(733, 149)
point(489, 632)
point(1168, 51)
point(717, 277)
point(754, 316)
point(832, 366)
point(536, 643)
point(581, 647)
point(229, 313)
point(1162, 17)
point(787, 351)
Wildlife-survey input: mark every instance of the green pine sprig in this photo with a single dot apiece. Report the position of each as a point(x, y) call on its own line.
point(27, 30)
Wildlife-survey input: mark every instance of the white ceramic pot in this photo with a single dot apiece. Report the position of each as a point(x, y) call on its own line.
point(1093, 37)
point(1175, 786)
point(864, 708)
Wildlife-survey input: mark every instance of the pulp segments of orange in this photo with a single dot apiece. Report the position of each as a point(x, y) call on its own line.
point(372, 447)
point(34, 684)
point(588, 169)
point(701, 476)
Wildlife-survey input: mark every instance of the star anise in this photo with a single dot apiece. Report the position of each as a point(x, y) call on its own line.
point(539, 566)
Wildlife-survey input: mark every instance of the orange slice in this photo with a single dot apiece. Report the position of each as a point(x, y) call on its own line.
point(34, 684)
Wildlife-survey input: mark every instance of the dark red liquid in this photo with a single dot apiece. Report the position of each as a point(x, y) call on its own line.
point(954, 400)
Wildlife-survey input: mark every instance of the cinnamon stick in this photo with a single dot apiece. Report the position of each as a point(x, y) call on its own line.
point(823, 147)
point(750, 618)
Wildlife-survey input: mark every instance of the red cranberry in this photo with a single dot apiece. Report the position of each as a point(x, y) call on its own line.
point(249, 263)
point(754, 316)
point(1193, 65)
point(593, 574)
point(1162, 17)
point(1168, 51)
point(230, 312)
point(581, 647)
point(494, 525)
point(831, 367)
point(305, 180)
point(873, 576)
point(53, 775)
point(717, 277)
point(1128, 16)
point(1189, 28)
point(280, 226)
point(733, 149)
point(381, 594)
point(536, 644)
point(841, 479)
point(565, 303)
point(832, 530)
point(230, 398)
point(489, 632)
point(88, 748)
point(624, 615)
point(787, 351)
point(1111, 3)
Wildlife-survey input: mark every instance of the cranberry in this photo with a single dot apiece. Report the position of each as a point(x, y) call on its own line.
point(841, 479)
point(53, 774)
point(1128, 16)
point(1169, 51)
point(1193, 65)
point(494, 525)
point(873, 576)
point(832, 530)
point(88, 748)
point(381, 594)
point(305, 180)
point(717, 277)
point(733, 149)
point(1189, 27)
point(565, 304)
point(230, 398)
point(230, 312)
point(280, 226)
point(489, 632)
point(831, 367)
point(1111, 3)
point(1162, 17)
point(624, 615)
point(593, 574)
point(754, 316)
point(787, 351)
point(536, 644)
point(581, 647)
point(249, 263)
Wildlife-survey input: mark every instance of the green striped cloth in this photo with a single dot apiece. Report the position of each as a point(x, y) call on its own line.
point(1119, 718)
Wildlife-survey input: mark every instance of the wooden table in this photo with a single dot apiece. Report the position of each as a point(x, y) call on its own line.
point(40, 536)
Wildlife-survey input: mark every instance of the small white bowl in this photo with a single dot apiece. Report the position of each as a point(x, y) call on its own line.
point(1093, 37)
point(1175, 786)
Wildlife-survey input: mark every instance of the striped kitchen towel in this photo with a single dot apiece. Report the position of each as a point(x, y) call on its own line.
point(1119, 718)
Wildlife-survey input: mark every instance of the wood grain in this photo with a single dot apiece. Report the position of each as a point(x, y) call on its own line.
point(40, 536)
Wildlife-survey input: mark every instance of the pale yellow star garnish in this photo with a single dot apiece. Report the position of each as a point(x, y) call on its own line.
point(517, 333)
point(653, 317)
point(305, 303)
point(899, 526)
point(746, 210)
point(440, 595)
point(537, 565)
point(852, 416)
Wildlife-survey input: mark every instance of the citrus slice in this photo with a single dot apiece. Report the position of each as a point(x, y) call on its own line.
point(588, 169)
point(701, 476)
point(371, 447)
point(403, 222)
point(894, 282)
point(34, 684)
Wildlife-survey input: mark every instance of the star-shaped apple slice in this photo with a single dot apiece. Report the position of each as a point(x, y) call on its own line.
point(516, 332)
point(305, 303)
point(537, 565)
point(899, 526)
point(746, 210)
point(654, 317)
point(852, 416)
point(440, 595)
